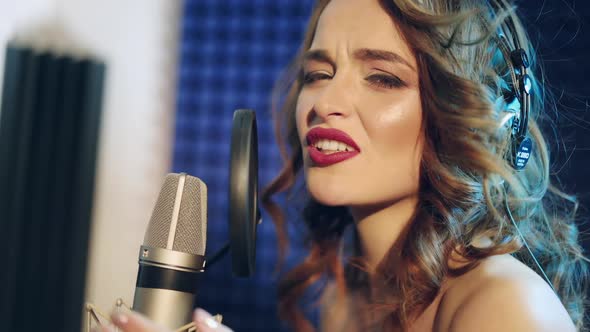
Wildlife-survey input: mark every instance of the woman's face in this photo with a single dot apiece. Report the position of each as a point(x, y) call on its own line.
point(361, 79)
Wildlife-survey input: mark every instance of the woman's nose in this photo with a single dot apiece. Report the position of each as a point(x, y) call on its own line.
point(333, 101)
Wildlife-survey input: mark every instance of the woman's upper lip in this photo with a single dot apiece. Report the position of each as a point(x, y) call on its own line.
point(318, 133)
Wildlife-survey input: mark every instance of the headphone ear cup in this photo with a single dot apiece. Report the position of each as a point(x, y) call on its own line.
point(522, 149)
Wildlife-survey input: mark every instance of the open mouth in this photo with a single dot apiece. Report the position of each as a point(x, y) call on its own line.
point(327, 146)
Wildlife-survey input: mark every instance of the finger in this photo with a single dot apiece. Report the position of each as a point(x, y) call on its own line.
point(131, 321)
point(206, 323)
point(102, 328)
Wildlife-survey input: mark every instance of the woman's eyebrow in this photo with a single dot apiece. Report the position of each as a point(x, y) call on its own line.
point(318, 56)
point(367, 54)
point(363, 54)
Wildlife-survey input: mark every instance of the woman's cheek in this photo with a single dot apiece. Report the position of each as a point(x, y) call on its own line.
point(302, 110)
point(298, 111)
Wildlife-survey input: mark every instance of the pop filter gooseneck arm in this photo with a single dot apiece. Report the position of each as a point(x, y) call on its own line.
point(244, 214)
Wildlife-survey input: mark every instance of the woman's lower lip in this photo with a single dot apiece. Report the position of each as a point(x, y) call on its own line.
point(322, 159)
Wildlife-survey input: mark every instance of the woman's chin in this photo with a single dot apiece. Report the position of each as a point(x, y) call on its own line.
point(329, 196)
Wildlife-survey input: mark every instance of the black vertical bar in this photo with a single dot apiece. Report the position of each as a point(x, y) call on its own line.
point(22, 190)
point(53, 246)
point(15, 73)
point(44, 154)
point(61, 183)
point(83, 188)
point(34, 215)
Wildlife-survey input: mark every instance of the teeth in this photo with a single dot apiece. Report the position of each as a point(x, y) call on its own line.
point(333, 145)
point(325, 144)
point(341, 146)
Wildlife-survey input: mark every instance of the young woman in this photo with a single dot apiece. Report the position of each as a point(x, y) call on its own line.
point(400, 115)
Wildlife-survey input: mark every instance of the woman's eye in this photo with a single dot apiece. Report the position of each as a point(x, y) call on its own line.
point(386, 81)
point(309, 78)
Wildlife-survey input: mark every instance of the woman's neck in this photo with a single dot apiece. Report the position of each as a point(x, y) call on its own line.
point(379, 227)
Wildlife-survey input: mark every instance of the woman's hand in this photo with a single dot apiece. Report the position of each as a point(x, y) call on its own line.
point(206, 323)
point(131, 321)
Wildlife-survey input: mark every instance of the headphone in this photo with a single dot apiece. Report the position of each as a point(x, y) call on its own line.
point(518, 62)
point(521, 145)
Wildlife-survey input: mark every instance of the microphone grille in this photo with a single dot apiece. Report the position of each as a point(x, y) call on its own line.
point(179, 219)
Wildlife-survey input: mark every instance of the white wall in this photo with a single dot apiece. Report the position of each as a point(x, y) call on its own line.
point(138, 41)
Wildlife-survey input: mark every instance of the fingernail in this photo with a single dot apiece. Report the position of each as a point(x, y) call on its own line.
point(119, 318)
point(204, 318)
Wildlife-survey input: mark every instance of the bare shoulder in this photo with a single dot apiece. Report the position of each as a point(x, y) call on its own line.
point(501, 294)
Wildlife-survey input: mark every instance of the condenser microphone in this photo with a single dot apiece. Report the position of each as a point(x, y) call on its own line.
point(171, 258)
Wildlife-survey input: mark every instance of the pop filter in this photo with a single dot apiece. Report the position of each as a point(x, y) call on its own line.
point(244, 214)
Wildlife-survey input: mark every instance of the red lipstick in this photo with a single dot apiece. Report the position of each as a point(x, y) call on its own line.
point(323, 159)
